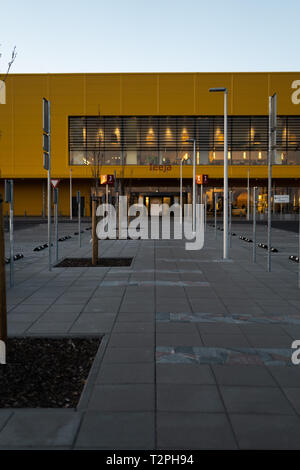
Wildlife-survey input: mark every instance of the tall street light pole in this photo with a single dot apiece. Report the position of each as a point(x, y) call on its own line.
point(180, 193)
point(194, 184)
point(225, 203)
point(71, 208)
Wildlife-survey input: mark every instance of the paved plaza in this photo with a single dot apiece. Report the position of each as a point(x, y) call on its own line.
point(196, 351)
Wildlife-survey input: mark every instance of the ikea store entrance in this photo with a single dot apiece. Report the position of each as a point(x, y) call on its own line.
point(153, 201)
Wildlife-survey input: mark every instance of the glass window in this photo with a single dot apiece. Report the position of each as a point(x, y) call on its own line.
point(77, 157)
point(258, 157)
point(240, 157)
point(163, 139)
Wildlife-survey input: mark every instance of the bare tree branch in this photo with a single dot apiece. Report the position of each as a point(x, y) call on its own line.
point(13, 58)
point(97, 160)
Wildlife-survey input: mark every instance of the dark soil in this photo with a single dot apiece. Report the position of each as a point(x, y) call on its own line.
point(87, 262)
point(45, 372)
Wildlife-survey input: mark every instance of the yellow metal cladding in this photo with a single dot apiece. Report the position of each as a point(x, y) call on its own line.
point(173, 171)
point(129, 94)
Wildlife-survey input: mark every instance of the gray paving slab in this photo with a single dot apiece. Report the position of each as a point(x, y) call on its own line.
point(176, 327)
point(17, 328)
point(211, 306)
point(252, 375)
point(128, 355)
point(30, 308)
point(191, 397)
point(134, 327)
point(51, 327)
point(273, 432)
point(135, 316)
point(134, 306)
point(123, 397)
point(216, 329)
point(197, 431)
point(106, 304)
point(36, 428)
point(293, 395)
point(130, 373)
point(56, 308)
point(92, 323)
point(224, 340)
point(184, 374)
point(286, 377)
point(256, 400)
point(264, 330)
point(24, 317)
point(131, 340)
point(125, 430)
point(178, 339)
point(53, 317)
point(5, 415)
point(269, 341)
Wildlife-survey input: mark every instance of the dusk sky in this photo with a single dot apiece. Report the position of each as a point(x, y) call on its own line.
point(150, 36)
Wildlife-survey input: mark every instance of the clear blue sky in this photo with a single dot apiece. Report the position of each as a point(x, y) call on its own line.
point(150, 36)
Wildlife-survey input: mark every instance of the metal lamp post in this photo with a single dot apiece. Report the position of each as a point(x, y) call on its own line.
point(71, 208)
point(194, 184)
point(225, 204)
point(180, 192)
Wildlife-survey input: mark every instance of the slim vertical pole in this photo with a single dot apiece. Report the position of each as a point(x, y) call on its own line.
point(299, 252)
point(44, 201)
point(71, 208)
point(49, 192)
point(205, 209)
point(11, 232)
point(254, 226)
point(120, 211)
point(79, 217)
point(180, 195)
point(269, 184)
point(248, 196)
point(94, 233)
point(55, 200)
point(194, 186)
point(225, 205)
point(3, 310)
point(216, 215)
point(106, 189)
point(230, 216)
point(116, 201)
point(272, 148)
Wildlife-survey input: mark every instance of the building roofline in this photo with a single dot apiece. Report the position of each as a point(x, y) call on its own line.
point(153, 73)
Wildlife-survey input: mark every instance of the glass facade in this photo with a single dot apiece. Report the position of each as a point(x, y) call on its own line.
point(145, 140)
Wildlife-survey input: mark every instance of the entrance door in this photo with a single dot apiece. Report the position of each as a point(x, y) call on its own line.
point(153, 202)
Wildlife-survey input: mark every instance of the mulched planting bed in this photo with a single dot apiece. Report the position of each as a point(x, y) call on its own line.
point(45, 372)
point(87, 262)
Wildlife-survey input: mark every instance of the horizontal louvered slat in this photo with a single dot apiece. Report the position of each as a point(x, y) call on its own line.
point(164, 133)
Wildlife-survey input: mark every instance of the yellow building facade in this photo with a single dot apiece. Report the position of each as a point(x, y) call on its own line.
point(138, 124)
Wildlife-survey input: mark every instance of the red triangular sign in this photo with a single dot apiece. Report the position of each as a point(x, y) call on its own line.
point(55, 183)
